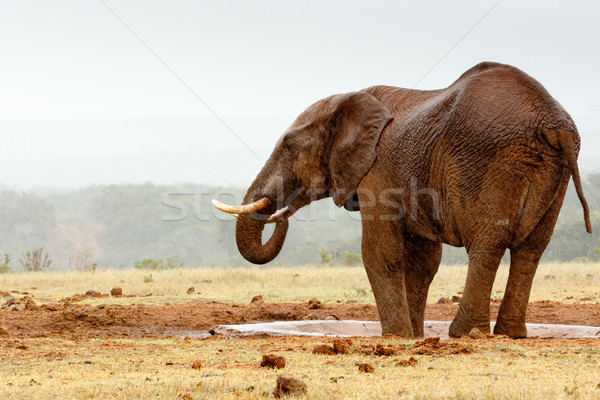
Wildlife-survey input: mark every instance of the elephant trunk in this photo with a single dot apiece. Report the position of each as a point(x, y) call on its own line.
point(248, 234)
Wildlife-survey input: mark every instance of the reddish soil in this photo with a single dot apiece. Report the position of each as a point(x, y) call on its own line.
point(67, 319)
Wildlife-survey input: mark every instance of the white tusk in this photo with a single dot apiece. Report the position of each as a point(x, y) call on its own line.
point(244, 209)
point(280, 215)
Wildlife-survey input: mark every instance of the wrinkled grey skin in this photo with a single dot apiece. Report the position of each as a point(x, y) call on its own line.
point(482, 164)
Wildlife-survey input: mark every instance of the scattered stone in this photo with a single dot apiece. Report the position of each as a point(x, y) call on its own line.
point(456, 299)
point(476, 334)
point(332, 317)
point(314, 304)
point(324, 349)
point(289, 386)
point(93, 293)
point(4, 294)
point(30, 304)
point(16, 307)
point(342, 346)
point(186, 396)
point(116, 291)
point(11, 300)
point(351, 302)
point(311, 317)
point(191, 290)
point(169, 363)
point(257, 300)
point(444, 300)
point(197, 364)
point(587, 298)
point(407, 363)
point(334, 379)
point(272, 361)
point(366, 367)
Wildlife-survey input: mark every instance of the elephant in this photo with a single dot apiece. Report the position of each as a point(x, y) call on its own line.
point(482, 164)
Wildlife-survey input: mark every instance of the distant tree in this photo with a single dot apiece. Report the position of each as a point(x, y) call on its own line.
point(36, 260)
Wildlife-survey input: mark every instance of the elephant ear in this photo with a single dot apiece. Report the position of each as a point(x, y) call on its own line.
point(358, 121)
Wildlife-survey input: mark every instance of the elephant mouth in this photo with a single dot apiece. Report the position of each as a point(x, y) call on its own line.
point(278, 216)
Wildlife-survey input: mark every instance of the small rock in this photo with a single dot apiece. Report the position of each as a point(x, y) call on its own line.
point(314, 304)
point(116, 291)
point(16, 307)
point(342, 346)
point(407, 363)
point(30, 304)
point(257, 300)
point(587, 298)
point(334, 379)
point(444, 300)
point(11, 300)
point(351, 302)
point(191, 290)
point(91, 293)
point(456, 299)
point(332, 318)
point(197, 364)
point(323, 349)
point(4, 294)
point(311, 317)
point(289, 386)
point(366, 367)
point(272, 361)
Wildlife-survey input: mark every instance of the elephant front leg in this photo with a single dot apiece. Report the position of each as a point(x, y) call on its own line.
point(474, 311)
point(389, 288)
point(422, 260)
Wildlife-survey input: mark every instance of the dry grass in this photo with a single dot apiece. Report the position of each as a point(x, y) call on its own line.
point(46, 368)
point(132, 369)
point(555, 282)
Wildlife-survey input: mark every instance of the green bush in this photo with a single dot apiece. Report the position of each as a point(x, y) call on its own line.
point(4, 268)
point(352, 258)
point(157, 264)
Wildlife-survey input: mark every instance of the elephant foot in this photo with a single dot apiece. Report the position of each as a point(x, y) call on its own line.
point(516, 330)
point(397, 330)
point(462, 325)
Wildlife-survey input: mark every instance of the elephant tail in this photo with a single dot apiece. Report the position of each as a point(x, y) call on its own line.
point(563, 139)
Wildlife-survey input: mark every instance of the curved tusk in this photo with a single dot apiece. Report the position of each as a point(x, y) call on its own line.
point(245, 209)
point(280, 215)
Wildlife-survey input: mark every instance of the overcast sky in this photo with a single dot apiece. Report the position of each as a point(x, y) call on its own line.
point(121, 91)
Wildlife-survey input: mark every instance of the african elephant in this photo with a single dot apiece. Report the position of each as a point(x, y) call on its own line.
point(483, 163)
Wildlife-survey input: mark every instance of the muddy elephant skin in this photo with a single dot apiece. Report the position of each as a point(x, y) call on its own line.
point(483, 163)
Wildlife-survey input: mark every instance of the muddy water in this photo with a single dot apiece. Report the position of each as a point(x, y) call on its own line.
point(372, 328)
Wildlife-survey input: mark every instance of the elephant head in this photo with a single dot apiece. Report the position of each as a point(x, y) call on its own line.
point(326, 152)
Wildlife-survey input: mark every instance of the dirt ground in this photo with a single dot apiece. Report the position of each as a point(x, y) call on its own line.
point(73, 319)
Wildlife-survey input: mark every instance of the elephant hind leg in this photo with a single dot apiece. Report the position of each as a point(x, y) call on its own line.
point(474, 311)
point(421, 259)
point(524, 260)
